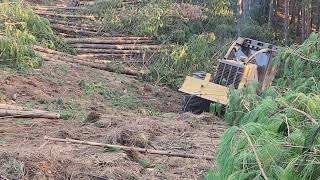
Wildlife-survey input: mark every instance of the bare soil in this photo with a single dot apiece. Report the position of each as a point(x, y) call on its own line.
point(103, 107)
point(165, 129)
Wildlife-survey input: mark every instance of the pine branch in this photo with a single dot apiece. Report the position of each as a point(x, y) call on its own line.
point(255, 153)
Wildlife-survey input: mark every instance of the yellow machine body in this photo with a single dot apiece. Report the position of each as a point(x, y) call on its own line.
point(215, 92)
point(255, 65)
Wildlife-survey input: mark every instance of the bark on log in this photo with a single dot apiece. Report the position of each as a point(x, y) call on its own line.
point(110, 40)
point(50, 51)
point(29, 114)
point(70, 28)
point(74, 59)
point(119, 47)
point(104, 56)
point(76, 30)
point(65, 35)
point(53, 8)
point(118, 69)
point(65, 15)
point(126, 148)
point(110, 51)
point(71, 23)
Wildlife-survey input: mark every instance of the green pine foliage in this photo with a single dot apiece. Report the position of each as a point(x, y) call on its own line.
point(20, 29)
point(281, 122)
point(171, 67)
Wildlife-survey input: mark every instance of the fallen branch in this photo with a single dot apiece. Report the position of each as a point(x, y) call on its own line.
point(255, 153)
point(29, 114)
point(64, 15)
point(126, 148)
point(313, 120)
point(301, 56)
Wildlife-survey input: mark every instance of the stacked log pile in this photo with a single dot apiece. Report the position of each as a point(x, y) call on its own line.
point(124, 47)
point(52, 55)
point(90, 41)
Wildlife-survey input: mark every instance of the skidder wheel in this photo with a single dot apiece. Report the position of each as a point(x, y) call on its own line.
point(194, 104)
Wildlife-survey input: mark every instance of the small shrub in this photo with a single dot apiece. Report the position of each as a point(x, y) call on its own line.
point(171, 67)
point(22, 29)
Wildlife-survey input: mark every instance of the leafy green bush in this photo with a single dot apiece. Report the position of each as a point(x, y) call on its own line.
point(158, 19)
point(171, 67)
point(20, 29)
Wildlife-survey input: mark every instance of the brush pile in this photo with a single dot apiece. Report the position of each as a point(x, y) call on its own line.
point(276, 135)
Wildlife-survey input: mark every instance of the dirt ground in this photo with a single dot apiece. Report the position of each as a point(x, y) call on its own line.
point(137, 114)
point(105, 107)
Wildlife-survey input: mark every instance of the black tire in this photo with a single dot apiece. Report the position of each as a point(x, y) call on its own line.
point(194, 104)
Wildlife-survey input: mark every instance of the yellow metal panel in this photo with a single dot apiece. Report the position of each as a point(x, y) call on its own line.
point(205, 89)
point(250, 74)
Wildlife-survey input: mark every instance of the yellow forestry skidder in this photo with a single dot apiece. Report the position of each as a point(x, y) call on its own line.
point(246, 60)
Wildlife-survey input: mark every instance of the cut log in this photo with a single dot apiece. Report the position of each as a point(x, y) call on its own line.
point(65, 35)
point(118, 69)
point(69, 28)
point(64, 15)
point(75, 30)
point(51, 51)
point(109, 40)
point(61, 54)
point(91, 3)
point(105, 56)
point(75, 59)
point(28, 114)
point(126, 148)
point(54, 8)
point(71, 23)
point(84, 57)
point(120, 47)
point(109, 51)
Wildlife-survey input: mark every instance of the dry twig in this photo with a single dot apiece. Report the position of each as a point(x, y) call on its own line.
point(126, 148)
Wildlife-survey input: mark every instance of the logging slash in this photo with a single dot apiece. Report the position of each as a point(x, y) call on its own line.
point(126, 148)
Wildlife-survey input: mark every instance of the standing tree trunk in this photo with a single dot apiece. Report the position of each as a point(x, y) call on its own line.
point(246, 10)
point(303, 21)
point(286, 21)
point(308, 17)
point(292, 9)
point(271, 13)
point(318, 15)
point(239, 16)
